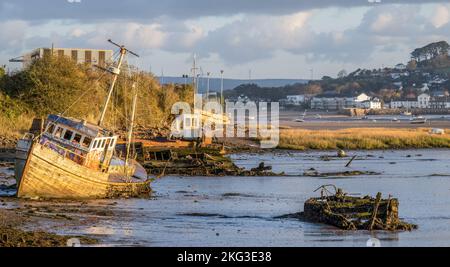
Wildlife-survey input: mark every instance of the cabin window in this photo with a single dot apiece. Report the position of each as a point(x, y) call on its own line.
point(103, 143)
point(95, 144)
point(68, 135)
point(108, 143)
point(87, 141)
point(51, 129)
point(77, 139)
point(111, 145)
point(59, 132)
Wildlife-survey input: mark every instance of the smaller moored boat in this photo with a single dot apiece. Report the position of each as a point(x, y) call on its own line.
point(418, 120)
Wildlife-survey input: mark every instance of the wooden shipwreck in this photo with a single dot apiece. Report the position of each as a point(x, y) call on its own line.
point(355, 213)
point(74, 159)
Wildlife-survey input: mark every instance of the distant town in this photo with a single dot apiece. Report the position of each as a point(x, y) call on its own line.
point(421, 84)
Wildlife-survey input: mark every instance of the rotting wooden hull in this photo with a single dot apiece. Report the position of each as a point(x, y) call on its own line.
point(47, 174)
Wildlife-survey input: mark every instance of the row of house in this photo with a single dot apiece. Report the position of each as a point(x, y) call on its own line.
point(424, 101)
point(337, 102)
point(330, 101)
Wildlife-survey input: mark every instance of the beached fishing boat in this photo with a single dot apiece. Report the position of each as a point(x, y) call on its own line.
point(74, 159)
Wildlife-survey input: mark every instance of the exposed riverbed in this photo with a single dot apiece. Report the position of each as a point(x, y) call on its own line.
point(241, 211)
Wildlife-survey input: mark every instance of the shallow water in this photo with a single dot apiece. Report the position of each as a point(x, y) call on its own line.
point(240, 211)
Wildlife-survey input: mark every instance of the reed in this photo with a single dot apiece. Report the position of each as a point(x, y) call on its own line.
point(362, 138)
point(14, 128)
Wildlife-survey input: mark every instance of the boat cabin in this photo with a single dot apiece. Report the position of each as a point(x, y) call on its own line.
point(84, 143)
point(187, 126)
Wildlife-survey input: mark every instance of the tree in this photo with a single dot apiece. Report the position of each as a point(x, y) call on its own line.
point(431, 51)
point(342, 74)
point(55, 85)
point(412, 65)
point(2, 72)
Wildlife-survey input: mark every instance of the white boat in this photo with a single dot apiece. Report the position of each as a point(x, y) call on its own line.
point(418, 120)
point(302, 118)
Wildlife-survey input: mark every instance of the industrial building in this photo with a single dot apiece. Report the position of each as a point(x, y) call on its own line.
point(81, 56)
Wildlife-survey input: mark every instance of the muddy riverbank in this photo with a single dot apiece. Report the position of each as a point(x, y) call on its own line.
point(31, 224)
point(234, 211)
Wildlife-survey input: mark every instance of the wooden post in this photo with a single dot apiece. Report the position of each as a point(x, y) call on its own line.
point(350, 162)
point(375, 211)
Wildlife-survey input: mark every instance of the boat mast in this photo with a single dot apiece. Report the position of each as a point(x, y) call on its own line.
point(116, 72)
point(130, 132)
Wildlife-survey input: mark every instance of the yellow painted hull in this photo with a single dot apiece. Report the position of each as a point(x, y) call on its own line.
point(47, 174)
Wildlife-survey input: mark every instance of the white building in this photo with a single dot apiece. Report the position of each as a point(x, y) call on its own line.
point(400, 66)
point(370, 104)
point(424, 101)
point(336, 102)
point(81, 56)
point(296, 100)
point(361, 98)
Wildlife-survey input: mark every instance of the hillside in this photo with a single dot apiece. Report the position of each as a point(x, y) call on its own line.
point(229, 84)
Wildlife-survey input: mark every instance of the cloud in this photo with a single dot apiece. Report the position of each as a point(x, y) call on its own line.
point(442, 16)
point(12, 35)
point(260, 33)
point(145, 10)
point(385, 28)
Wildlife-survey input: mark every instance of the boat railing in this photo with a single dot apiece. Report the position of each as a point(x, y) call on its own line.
point(67, 153)
point(28, 136)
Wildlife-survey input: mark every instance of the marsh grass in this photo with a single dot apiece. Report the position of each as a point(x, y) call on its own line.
point(362, 138)
point(14, 128)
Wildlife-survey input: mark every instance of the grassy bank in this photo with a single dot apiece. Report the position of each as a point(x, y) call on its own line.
point(14, 128)
point(362, 138)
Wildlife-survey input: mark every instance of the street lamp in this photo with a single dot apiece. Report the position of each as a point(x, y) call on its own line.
point(207, 89)
point(221, 88)
point(197, 83)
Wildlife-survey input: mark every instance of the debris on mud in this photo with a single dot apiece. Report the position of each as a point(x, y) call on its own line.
point(188, 161)
point(354, 213)
point(12, 236)
point(315, 173)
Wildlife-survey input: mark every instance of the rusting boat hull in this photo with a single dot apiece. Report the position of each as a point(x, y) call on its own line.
point(47, 174)
point(355, 213)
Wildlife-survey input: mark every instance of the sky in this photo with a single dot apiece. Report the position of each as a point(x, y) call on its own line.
point(268, 38)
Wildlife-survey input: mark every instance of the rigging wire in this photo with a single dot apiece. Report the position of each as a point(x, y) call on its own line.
point(76, 101)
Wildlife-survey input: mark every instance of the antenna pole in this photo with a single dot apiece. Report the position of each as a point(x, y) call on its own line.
point(116, 73)
point(194, 73)
point(221, 88)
